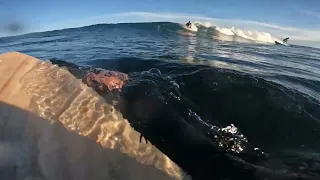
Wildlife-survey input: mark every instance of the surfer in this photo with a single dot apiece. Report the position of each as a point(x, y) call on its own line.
point(188, 24)
point(284, 42)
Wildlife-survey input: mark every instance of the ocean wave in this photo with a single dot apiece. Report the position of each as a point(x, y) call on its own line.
point(270, 116)
point(269, 93)
point(217, 83)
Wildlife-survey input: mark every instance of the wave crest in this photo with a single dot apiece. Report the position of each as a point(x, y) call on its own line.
point(254, 35)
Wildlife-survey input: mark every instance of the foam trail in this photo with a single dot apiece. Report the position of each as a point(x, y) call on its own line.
point(206, 24)
point(256, 36)
point(225, 31)
point(57, 95)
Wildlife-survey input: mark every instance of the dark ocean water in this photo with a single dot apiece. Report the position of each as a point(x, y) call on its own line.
point(271, 93)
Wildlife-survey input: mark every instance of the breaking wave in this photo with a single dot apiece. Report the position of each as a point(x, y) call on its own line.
point(233, 33)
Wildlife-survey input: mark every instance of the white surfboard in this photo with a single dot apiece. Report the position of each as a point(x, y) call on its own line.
point(281, 43)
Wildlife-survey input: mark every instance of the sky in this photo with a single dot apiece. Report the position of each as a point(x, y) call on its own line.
point(299, 19)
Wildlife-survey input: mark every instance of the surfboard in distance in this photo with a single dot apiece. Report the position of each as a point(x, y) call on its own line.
point(281, 43)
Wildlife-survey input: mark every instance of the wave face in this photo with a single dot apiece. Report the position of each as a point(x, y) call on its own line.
point(269, 93)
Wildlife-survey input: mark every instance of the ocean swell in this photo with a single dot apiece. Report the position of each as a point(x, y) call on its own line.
point(270, 117)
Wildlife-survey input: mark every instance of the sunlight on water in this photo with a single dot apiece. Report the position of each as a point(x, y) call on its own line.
point(57, 95)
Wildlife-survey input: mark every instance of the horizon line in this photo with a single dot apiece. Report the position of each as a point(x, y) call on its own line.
point(295, 33)
point(139, 17)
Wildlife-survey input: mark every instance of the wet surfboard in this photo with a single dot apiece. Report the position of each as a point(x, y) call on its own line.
point(62, 129)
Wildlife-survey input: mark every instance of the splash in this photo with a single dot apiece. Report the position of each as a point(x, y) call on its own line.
point(229, 138)
point(256, 36)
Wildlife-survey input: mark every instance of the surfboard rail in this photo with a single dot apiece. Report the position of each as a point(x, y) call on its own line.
point(22, 89)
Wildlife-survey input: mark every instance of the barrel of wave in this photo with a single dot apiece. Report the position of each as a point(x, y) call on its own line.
point(56, 97)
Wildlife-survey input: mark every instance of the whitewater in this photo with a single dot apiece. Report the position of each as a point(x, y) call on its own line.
point(233, 32)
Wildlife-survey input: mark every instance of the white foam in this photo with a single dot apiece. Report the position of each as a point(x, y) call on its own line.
point(224, 31)
point(252, 35)
point(206, 24)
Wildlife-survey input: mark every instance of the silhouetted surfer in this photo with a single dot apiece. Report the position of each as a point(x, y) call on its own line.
point(284, 41)
point(188, 24)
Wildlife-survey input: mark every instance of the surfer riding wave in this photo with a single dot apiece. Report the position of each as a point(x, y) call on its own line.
point(188, 24)
point(284, 41)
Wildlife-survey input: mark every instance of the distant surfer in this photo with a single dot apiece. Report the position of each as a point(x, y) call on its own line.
point(285, 40)
point(188, 24)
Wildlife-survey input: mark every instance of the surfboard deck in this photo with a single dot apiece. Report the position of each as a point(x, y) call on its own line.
point(61, 125)
point(13, 66)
